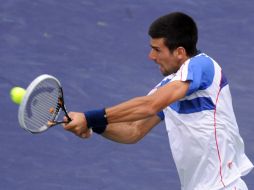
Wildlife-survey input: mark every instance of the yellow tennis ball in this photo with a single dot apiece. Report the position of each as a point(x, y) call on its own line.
point(17, 94)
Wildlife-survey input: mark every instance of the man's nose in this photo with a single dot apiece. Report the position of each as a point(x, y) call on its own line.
point(152, 55)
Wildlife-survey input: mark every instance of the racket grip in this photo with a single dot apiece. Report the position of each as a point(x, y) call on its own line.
point(54, 123)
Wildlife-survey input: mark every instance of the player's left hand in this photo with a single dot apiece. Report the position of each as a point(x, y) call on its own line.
point(78, 125)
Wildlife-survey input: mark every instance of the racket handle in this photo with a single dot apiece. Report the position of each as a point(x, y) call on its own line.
point(54, 123)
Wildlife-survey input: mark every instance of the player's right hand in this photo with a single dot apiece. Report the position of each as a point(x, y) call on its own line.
point(78, 125)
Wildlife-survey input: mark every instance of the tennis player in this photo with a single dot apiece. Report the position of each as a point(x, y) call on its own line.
point(195, 101)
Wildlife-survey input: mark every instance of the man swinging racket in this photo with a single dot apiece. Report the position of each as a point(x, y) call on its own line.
point(195, 101)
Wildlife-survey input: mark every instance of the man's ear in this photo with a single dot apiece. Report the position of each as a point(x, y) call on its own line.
point(180, 52)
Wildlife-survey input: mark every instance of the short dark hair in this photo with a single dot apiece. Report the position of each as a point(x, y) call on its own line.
point(178, 29)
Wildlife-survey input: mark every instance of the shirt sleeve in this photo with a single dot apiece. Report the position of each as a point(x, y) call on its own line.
point(199, 71)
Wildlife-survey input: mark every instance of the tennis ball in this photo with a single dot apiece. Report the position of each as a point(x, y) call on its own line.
point(17, 94)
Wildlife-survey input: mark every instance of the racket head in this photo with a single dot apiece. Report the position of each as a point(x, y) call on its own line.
point(40, 104)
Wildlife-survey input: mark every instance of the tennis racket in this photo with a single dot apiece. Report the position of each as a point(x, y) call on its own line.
point(42, 104)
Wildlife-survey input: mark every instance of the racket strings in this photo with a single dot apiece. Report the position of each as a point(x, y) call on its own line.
point(53, 121)
point(44, 98)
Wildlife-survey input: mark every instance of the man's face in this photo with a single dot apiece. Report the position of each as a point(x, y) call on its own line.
point(168, 62)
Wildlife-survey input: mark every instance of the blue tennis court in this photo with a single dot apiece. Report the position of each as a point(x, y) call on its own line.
point(99, 51)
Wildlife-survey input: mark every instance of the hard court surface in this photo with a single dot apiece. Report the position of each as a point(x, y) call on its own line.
point(98, 49)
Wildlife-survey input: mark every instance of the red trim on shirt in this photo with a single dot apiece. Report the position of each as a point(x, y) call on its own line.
point(215, 133)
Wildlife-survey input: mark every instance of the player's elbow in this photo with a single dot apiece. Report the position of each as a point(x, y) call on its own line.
point(134, 137)
point(152, 109)
point(153, 106)
point(133, 142)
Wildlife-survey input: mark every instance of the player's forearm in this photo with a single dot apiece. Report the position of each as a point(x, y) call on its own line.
point(132, 110)
point(132, 132)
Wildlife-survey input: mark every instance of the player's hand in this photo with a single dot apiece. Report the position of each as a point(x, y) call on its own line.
point(78, 125)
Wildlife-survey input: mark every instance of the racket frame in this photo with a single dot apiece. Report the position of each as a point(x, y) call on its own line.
point(25, 100)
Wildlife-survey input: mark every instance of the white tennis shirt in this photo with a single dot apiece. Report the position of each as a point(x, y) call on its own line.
point(203, 133)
